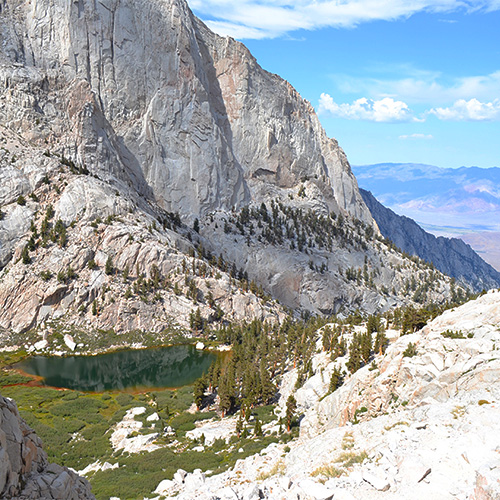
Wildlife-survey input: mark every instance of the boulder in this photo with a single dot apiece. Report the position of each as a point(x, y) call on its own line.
point(179, 476)
point(70, 343)
point(252, 492)
point(377, 482)
point(315, 490)
point(166, 487)
point(24, 469)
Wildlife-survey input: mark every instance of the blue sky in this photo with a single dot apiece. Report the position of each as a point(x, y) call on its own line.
point(392, 80)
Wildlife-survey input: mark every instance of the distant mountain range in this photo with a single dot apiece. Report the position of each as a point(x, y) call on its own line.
point(462, 202)
point(445, 200)
point(451, 256)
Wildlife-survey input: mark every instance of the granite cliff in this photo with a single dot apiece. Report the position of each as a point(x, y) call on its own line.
point(144, 94)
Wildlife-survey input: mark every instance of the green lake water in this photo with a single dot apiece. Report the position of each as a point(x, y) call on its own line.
point(167, 367)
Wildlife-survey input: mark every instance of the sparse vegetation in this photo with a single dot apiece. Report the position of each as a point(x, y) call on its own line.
point(410, 350)
point(450, 334)
point(340, 465)
point(278, 469)
point(458, 411)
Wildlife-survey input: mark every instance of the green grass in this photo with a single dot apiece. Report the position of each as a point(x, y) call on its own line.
point(57, 415)
point(186, 421)
point(140, 474)
point(8, 377)
point(265, 413)
point(173, 401)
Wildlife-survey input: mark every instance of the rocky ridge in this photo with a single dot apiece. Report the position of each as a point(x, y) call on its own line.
point(410, 427)
point(25, 472)
point(451, 256)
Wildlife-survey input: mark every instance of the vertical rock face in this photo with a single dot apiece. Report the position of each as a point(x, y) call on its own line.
point(148, 95)
point(25, 472)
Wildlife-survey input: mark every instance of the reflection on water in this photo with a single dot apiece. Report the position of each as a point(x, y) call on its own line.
point(173, 366)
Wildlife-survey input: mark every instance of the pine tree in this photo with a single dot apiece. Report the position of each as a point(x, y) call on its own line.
point(196, 321)
point(336, 380)
point(214, 374)
point(225, 396)
point(373, 324)
point(227, 389)
point(199, 389)
point(381, 342)
point(63, 237)
point(25, 255)
point(267, 389)
point(32, 244)
point(291, 406)
point(354, 362)
point(239, 426)
point(258, 427)
point(109, 269)
point(410, 350)
point(327, 338)
point(251, 386)
point(366, 347)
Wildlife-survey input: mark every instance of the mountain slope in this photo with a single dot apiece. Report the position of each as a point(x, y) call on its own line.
point(450, 255)
point(412, 423)
point(152, 143)
point(486, 244)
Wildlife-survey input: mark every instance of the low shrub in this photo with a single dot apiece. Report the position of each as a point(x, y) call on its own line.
point(410, 351)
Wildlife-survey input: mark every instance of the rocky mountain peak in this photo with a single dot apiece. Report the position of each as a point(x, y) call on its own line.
point(164, 105)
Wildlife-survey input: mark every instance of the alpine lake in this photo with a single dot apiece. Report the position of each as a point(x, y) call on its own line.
point(143, 369)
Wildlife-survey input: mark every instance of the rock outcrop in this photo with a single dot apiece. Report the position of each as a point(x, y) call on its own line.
point(25, 472)
point(451, 256)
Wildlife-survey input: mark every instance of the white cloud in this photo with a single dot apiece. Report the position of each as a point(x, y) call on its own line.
point(383, 110)
point(272, 18)
point(426, 137)
point(418, 86)
point(472, 110)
